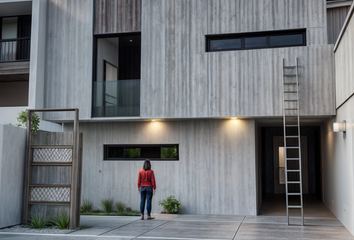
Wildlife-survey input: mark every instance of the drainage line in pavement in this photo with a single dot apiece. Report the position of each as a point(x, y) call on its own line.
point(152, 229)
point(117, 227)
point(239, 227)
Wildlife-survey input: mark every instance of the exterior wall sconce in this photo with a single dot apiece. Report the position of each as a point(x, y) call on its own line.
point(339, 127)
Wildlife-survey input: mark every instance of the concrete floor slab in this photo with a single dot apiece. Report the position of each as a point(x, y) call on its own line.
point(210, 218)
point(264, 231)
point(195, 229)
point(137, 227)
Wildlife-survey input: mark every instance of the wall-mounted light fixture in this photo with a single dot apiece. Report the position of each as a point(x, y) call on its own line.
point(339, 127)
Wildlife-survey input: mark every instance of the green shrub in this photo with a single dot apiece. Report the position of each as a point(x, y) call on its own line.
point(22, 120)
point(62, 220)
point(170, 204)
point(107, 205)
point(121, 207)
point(38, 220)
point(86, 206)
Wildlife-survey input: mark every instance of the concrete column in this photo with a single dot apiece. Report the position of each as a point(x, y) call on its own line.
point(38, 46)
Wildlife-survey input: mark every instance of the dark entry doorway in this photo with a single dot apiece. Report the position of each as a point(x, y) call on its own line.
point(273, 187)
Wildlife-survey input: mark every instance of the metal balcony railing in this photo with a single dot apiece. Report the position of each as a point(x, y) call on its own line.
point(118, 98)
point(15, 49)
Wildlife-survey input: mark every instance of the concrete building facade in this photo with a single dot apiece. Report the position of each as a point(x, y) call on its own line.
point(146, 77)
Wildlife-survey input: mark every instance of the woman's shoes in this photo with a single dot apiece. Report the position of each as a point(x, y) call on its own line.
point(142, 217)
point(150, 218)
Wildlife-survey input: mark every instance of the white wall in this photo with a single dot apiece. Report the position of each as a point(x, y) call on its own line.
point(12, 169)
point(338, 167)
point(215, 174)
point(337, 148)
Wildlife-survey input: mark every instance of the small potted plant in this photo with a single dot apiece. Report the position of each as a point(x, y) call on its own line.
point(170, 204)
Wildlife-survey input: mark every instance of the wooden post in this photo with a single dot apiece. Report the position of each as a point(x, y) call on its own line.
point(27, 167)
point(75, 196)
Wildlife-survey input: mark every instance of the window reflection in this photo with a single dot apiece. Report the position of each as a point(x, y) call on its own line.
point(256, 42)
point(286, 40)
point(225, 44)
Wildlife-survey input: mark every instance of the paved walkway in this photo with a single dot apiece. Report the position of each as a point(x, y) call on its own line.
point(195, 227)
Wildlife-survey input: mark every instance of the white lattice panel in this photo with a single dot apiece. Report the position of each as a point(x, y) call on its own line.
point(49, 194)
point(52, 155)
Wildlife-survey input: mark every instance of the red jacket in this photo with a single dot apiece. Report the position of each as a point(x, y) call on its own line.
point(146, 179)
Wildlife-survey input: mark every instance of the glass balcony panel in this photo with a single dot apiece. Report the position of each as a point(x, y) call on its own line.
point(119, 98)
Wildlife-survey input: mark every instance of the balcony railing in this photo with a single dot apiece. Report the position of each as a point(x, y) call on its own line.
point(116, 98)
point(15, 49)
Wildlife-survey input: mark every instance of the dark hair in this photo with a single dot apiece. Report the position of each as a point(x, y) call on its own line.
point(147, 165)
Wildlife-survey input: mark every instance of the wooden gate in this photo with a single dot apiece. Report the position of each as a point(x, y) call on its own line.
point(53, 171)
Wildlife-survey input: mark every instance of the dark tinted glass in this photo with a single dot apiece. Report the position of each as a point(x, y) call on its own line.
point(227, 44)
point(150, 152)
point(115, 152)
point(255, 42)
point(169, 152)
point(286, 40)
point(140, 152)
point(132, 153)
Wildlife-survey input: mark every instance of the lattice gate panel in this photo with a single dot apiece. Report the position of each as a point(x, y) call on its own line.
point(53, 172)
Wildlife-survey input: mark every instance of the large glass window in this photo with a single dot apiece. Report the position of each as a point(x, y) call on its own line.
point(141, 152)
point(244, 41)
point(116, 84)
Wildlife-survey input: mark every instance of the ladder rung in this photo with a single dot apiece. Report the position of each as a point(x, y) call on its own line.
point(295, 206)
point(288, 100)
point(290, 108)
point(294, 194)
point(290, 83)
point(289, 67)
point(289, 75)
point(290, 91)
point(291, 136)
point(292, 159)
point(292, 147)
point(292, 170)
point(291, 125)
point(294, 182)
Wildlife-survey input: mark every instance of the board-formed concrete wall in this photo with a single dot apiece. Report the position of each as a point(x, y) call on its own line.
point(12, 169)
point(215, 174)
point(180, 79)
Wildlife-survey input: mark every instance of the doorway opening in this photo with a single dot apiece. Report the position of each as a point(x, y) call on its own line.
point(271, 162)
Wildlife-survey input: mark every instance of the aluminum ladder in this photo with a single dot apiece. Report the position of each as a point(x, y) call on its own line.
point(292, 144)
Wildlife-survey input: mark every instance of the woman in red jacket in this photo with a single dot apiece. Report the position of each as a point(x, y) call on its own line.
point(146, 188)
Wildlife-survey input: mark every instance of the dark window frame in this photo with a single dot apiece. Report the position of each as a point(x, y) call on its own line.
point(19, 40)
point(243, 36)
point(106, 146)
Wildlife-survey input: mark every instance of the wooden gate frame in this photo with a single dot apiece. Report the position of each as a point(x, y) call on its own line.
point(76, 168)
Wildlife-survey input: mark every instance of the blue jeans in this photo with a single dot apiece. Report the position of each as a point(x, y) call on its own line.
point(145, 194)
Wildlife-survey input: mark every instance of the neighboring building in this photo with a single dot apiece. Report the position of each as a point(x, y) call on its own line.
point(164, 80)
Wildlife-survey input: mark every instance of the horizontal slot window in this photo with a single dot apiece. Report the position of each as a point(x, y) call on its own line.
point(223, 44)
point(258, 40)
point(141, 152)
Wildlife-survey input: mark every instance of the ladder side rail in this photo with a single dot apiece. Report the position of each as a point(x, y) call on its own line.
point(285, 149)
point(299, 142)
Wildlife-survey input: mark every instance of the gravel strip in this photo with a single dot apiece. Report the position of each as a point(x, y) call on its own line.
point(26, 229)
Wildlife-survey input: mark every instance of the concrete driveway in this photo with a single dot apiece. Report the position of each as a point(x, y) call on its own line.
point(193, 227)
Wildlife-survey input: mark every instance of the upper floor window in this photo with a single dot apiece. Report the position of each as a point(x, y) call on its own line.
point(15, 37)
point(244, 41)
point(116, 81)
